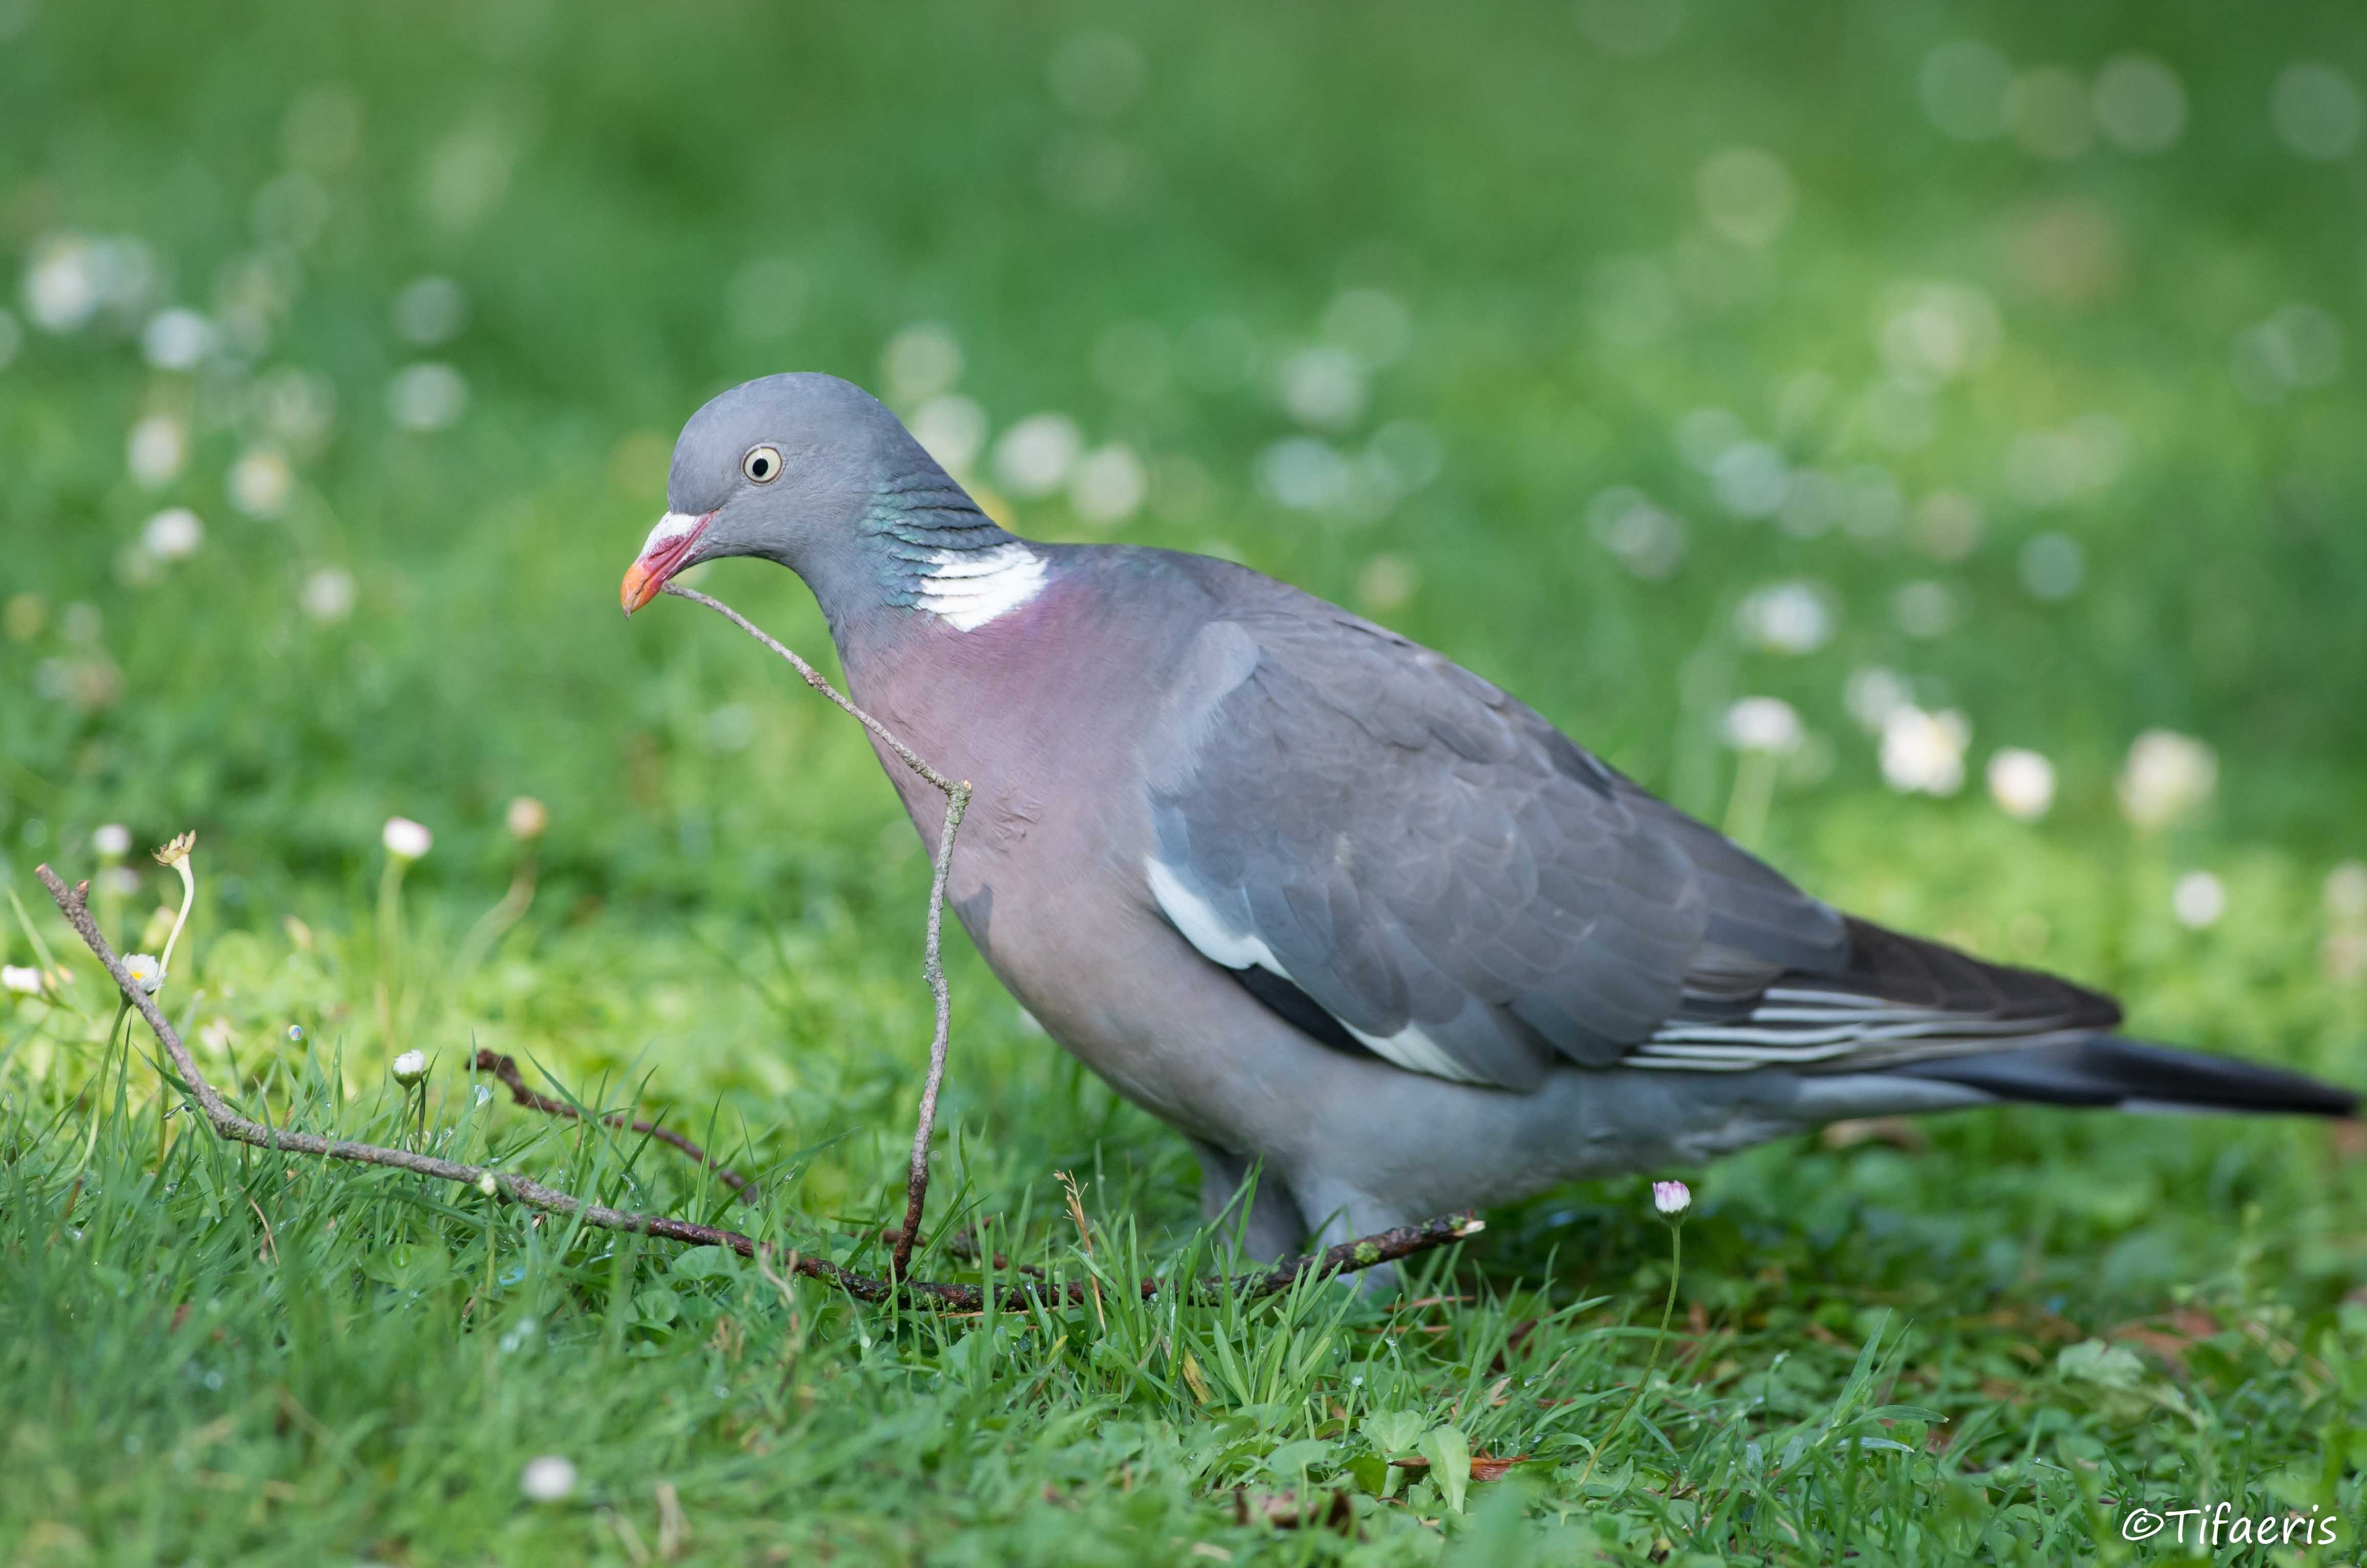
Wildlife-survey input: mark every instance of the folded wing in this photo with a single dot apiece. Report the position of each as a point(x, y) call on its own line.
point(1395, 855)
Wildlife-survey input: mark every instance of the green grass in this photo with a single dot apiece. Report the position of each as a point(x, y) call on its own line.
point(1982, 1347)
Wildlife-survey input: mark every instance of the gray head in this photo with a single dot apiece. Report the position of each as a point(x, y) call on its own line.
point(809, 471)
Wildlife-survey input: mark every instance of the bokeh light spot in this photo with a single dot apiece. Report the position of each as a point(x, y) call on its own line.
point(2139, 104)
point(2317, 111)
point(1964, 85)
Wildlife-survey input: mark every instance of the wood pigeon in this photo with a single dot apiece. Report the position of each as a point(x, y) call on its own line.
point(1339, 910)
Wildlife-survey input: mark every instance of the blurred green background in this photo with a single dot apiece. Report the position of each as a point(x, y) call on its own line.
point(1972, 380)
point(1922, 309)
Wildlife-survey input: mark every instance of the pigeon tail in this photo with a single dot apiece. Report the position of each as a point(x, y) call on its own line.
point(2108, 1072)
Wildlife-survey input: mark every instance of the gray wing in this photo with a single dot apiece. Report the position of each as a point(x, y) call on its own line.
point(1458, 885)
point(1387, 849)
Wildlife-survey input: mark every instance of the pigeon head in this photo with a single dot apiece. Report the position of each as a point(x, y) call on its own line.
point(805, 470)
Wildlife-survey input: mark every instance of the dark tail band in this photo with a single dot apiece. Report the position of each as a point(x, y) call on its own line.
point(2107, 1071)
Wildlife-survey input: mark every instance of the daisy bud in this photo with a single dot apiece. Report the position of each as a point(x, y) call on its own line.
point(145, 972)
point(112, 840)
point(548, 1478)
point(176, 854)
point(1672, 1198)
point(1924, 752)
point(2167, 775)
point(487, 1185)
point(410, 1068)
point(1766, 724)
point(2022, 783)
point(405, 839)
point(2197, 900)
point(527, 818)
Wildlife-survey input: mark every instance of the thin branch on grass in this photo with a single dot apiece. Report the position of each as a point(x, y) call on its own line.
point(1348, 1258)
point(933, 969)
point(505, 1068)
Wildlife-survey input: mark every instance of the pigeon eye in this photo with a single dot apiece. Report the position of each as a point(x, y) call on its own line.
point(763, 464)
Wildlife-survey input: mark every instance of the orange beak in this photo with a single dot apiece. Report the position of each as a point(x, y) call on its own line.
point(642, 585)
point(670, 544)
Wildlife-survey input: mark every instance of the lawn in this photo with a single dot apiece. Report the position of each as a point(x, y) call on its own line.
point(1968, 381)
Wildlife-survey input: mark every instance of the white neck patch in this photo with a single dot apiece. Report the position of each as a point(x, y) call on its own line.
point(966, 589)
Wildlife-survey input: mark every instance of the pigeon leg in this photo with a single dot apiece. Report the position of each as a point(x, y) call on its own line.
point(1275, 1229)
